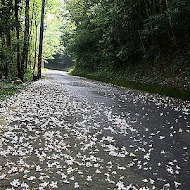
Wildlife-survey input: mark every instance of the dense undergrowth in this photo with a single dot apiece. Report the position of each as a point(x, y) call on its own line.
point(168, 77)
point(11, 86)
point(8, 88)
point(162, 90)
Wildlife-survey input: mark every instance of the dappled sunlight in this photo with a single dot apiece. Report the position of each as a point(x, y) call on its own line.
point(94, 95)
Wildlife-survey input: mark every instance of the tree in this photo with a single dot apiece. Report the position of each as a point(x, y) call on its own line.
point(110, 35)
point(17, 38)
point(26, 41)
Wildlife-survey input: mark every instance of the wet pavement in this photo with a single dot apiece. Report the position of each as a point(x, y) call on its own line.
point(66, 132)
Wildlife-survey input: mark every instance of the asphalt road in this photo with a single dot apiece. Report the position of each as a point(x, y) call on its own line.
point(68, 132)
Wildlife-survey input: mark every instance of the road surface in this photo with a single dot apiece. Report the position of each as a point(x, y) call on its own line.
point(66, 132)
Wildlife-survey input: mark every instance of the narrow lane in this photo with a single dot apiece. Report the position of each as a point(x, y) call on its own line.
point(67, 132)
point(158, 127)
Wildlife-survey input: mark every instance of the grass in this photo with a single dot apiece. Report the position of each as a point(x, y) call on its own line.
point(7, 88)
point(157, 89)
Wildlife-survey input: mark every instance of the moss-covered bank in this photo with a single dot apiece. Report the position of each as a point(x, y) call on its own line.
point(165, 78)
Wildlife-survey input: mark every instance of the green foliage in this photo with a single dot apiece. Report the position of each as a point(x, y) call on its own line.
point(60, 62)
point(8, 39)
point(111, 35)
point(116, 79)
point(28, 75)
point(8, 88)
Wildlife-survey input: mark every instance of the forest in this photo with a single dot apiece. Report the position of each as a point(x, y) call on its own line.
point(20, 35)
point(144, 41)
point(95, 94)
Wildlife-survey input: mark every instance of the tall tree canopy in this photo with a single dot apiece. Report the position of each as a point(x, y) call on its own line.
point(112, 34)
point(19, 33)
point(101, 35)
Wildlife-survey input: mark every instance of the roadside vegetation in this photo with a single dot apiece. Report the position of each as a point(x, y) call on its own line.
point(154, 78)
point(20, 35)
point(136, 42)
point(114, 78)
point(9, 88)
point(19, 40)
point(131, 41)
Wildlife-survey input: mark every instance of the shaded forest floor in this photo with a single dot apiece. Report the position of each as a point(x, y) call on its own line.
point(169, 76)
point(11, 86)
point(8, 88)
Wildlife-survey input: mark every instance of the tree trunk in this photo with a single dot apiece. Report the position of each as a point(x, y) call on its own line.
point(8, 38)
point(35, 47)
point(26, 41)
point(30, 37)
point(8, 41)
point(170, 21)
point(142, 44)
point(18, 38)
point(2, 40)
point(41, 39)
